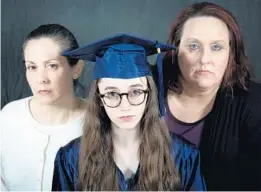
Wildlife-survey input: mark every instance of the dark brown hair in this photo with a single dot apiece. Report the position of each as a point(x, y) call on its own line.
point(97, 170)
point(62, 36)
point(238, 70)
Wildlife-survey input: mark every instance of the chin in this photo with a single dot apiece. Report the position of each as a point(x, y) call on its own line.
point(206, 83)
point(126, 125)
point(46, 100)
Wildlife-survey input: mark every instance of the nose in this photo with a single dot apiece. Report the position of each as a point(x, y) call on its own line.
point(42, 77)
point(205, 56)
point(125, 104)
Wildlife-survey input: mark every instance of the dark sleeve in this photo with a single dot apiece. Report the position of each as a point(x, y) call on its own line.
point(192, 178)
point(251, 142)
point(63, 179)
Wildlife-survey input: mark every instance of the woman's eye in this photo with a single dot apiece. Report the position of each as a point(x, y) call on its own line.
point(194, 46)
point(53, 66)
point(216, 47)
point(112, 95)
point(136, 92)
point(31, 68)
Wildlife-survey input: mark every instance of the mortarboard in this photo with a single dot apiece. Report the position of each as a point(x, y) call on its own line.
point(123, 56)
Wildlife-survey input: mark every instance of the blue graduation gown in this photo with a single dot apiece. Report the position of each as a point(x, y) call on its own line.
point(186, 157)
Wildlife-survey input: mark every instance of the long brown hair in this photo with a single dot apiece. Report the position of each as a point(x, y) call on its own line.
point(238, 71)
point(97, 170)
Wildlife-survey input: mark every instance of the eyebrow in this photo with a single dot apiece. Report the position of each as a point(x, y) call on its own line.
point(215, 41)
point(136, 85)
point(44, 62)
point(132, 86)
point(51, 60)
point(28, 62)
point(110, 87)
point(219, 41)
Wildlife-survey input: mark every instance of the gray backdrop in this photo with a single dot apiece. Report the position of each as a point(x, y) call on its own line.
point(93, 19)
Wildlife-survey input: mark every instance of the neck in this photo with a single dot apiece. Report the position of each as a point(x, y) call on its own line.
point(199, 95)
point(126, 144)
point(126, 137)
point(56, 113)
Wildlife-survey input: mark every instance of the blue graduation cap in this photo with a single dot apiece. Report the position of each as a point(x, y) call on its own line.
point(123, 56)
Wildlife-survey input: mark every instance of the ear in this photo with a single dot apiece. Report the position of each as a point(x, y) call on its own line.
point(77, 69)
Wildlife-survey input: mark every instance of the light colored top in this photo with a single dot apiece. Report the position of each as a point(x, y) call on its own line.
point(28, 149)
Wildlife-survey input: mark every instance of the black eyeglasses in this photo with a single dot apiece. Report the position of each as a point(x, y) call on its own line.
point(135, 97)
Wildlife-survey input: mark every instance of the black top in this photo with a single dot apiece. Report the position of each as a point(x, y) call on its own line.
point(230, 145)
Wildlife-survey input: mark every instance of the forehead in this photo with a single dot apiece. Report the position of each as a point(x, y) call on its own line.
point(45, 47)
point(122, 84)
point(205, 28)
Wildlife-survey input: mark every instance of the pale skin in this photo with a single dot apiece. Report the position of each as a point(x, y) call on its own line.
point(126, 134)
point(51, 80)
point(203, 58)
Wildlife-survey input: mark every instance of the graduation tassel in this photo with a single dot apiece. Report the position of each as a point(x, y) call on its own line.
point(160, 84)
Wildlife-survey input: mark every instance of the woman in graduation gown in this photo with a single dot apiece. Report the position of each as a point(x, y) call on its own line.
point(211, 100)
point(125, 145)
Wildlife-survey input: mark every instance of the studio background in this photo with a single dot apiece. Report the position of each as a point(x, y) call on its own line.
point(90, 20)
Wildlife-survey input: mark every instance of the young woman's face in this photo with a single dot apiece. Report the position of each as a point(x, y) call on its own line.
point(49, 75)
point(204, 51)
point(127, 112)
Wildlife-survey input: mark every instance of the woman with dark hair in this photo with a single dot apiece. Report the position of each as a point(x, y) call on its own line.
point(125, 145)
point(35, 127)
point(210, 98)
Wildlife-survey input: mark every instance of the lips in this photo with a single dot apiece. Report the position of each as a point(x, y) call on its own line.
point(44, 92)
point(204, 71)
point(127, 118)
